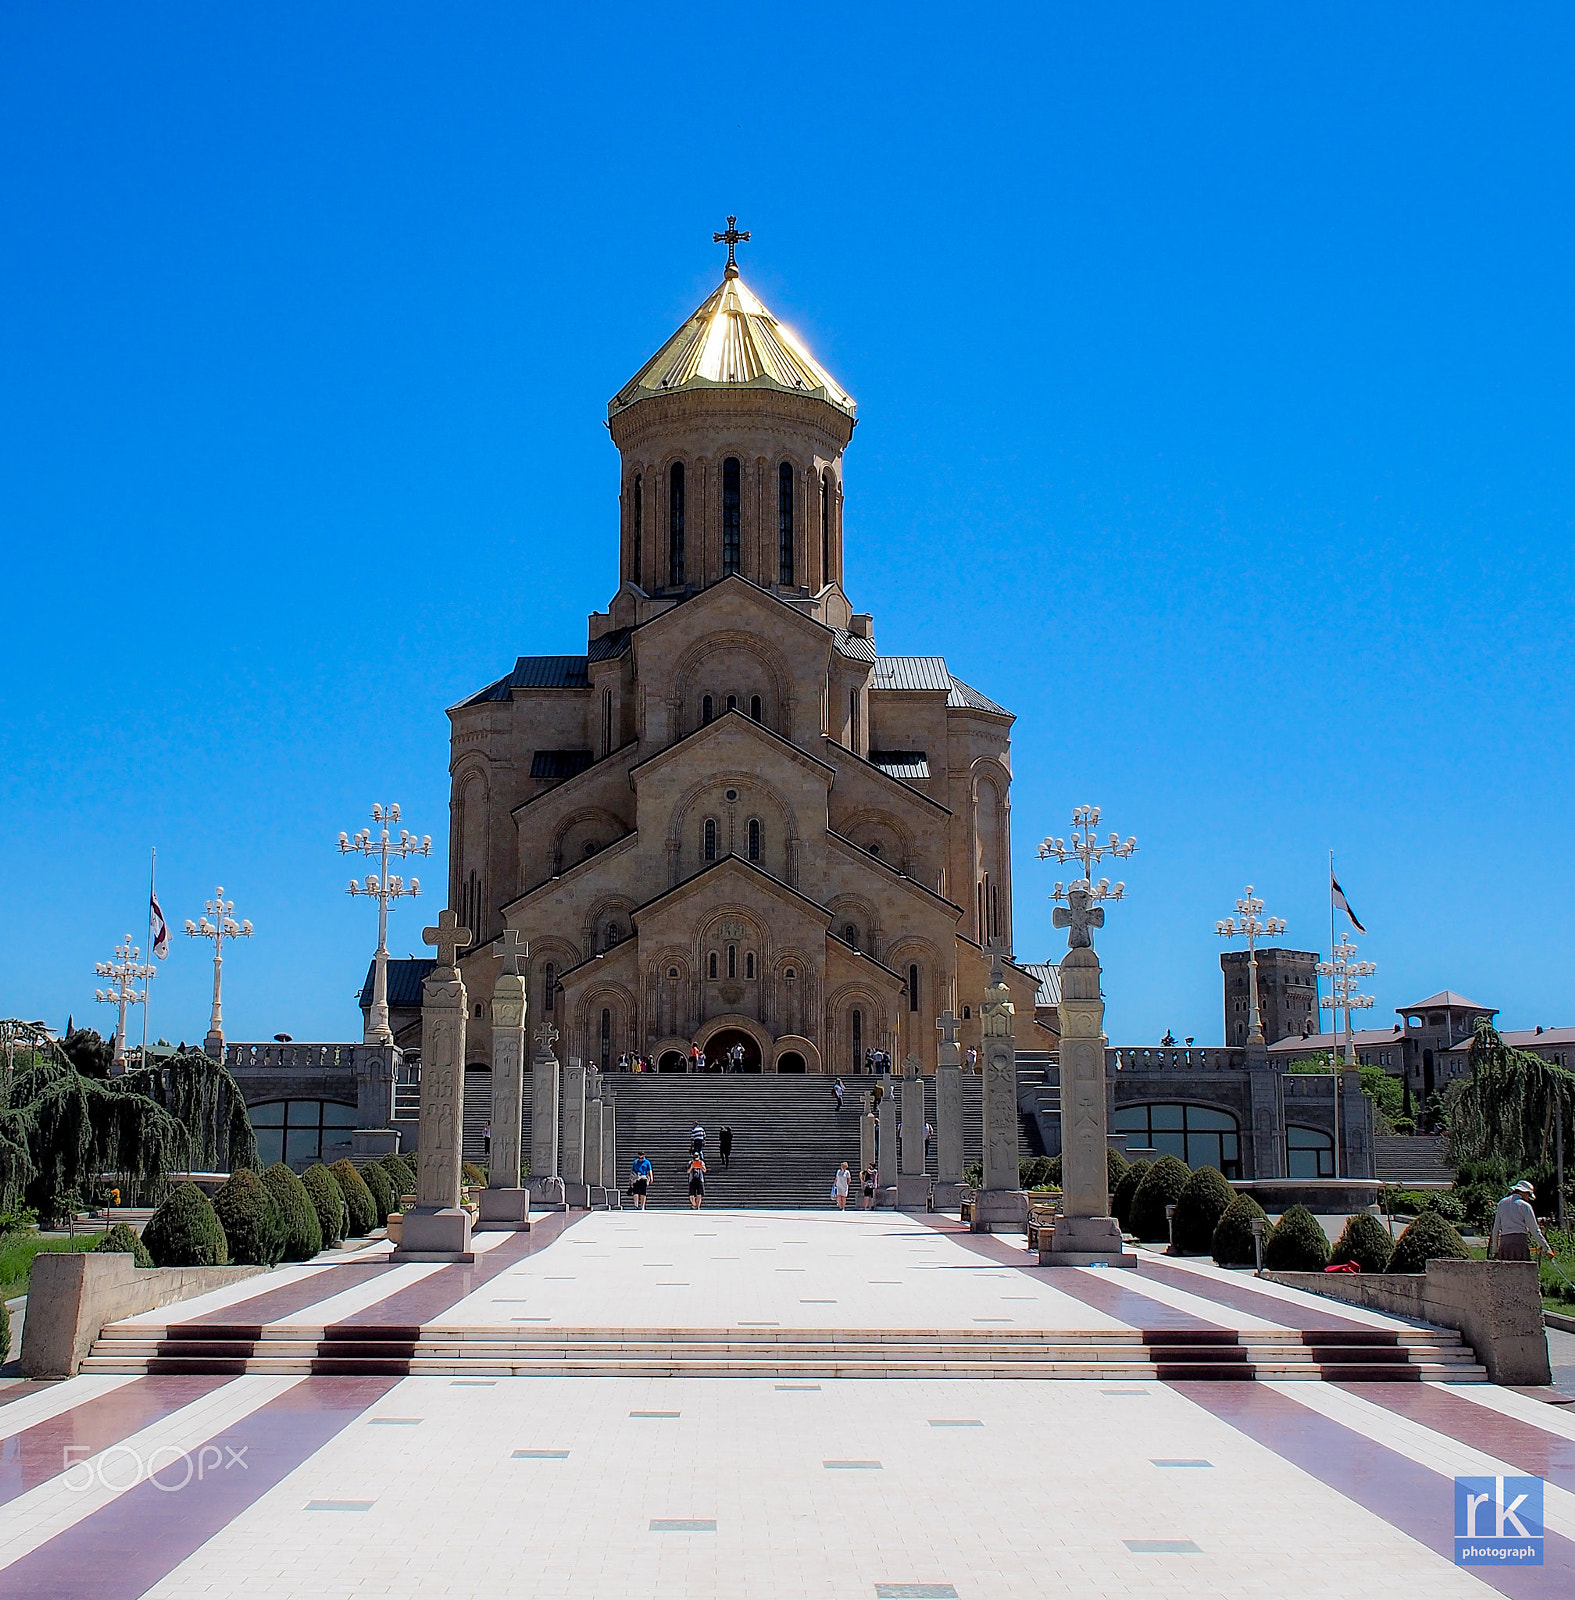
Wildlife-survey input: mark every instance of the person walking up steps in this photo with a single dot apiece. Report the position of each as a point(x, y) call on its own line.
point(838, 1091)
point(697, 1140)
point(724, 1143)
point(696, 1182)
point(840, 1186)
point(640, 1180)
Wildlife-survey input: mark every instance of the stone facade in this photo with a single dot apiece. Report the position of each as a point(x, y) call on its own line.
point(1287, 993)
point(731, 821)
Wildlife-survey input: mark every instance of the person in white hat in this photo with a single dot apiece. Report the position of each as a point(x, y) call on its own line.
point(1515, 1227)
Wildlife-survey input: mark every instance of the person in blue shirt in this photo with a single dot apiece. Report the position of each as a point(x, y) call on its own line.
point(640, 1176)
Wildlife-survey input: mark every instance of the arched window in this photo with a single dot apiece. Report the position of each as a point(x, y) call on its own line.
point(732, 702)
point(785, 524)
point(607, 727)
point(675, 526)
point(858, 1040)
point(710, 838)
point(732, 961)
point(754, 706)
point(825, 526)
point(754, 838)
point(707, 710)
point(1198, 1135)
point(730, 499)
point(711, 965)
point(637, 517)
point(749, 965)
point(790, 975)
point(913, 986)
point(1309, 1153)
point(606, 1040)
point(549, 985)
point(850, 935)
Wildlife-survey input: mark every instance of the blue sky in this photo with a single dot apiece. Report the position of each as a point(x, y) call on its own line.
point(1214, 379)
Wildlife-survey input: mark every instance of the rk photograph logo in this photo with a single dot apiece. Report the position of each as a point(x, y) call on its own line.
point(1498, 1522)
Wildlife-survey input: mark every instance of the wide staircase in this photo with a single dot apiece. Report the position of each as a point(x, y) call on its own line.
point(1121, 1355)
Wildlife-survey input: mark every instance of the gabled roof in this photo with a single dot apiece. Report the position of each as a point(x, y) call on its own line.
point(559, 764)
point(964, 698)
point(929, 673)
point(1447, 999)
point(1049, 976)
point(854, 647)
point(732, 339)
point(733, 721)
point(1523, 1039)
point(404, 980)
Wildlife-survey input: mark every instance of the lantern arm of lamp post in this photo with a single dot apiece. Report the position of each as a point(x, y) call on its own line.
point(383, 886)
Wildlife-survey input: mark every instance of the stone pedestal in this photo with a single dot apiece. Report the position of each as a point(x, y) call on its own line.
point(1000, 1201)
point(367, 1144)
point(946, 1192)
point(504, 1202)
point(886, 1151)
point(437, 1228)
point(594, 1190)
point(571, 1139)
point(375, 1067)
point(545, 1181)
point(1086, 1233)
point(612, 1185)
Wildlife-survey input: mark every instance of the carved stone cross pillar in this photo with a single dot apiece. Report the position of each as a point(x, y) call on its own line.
point(504, 1203)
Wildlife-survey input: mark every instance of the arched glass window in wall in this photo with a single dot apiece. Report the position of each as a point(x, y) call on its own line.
point(754, 838)
point(637, 518)
point(732, 702)
point(606, 1051)
point(730, 502)
point(1309, 1153)
point(858, 1040)
point(850, 935)
point(549, 987)
point(732, 961)
point(749, 964)
point(710, 838)
point(675, 526)
point(607, 722)
point(707, 710)
point(1198, 1135)
point(913, 986)
point(785, 524)
point(825, 527)
point(711, 965)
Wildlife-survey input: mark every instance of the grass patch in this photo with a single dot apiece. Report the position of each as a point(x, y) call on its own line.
point(16, 1257)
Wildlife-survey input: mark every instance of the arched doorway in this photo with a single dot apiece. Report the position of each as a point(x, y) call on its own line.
point(790, 1061)
point(718, 1045)
point(671, 1061)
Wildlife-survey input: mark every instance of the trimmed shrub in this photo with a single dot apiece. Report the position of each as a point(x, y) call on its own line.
point(472, 1175)
point(303, 1233)
point(1429, 1238)
point(1364, 1240)
point(1232, 1245)
point(122, 1240)
point(253, 1224)
point(185, 1231)
point(1161, 1186)
point(362, 1209)
point(1298, 1243)
point(328, 1201)
point(1203, 1202)
point(401, 1174)
point(1116, 1166)
point(1040, 1172)
point(1121, 1195)
point(381, 1190)
point(1451, 1209)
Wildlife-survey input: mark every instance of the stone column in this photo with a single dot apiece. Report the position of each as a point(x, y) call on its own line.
point(375, 1134)
point(913, 1187)
point(437, 1228)
point(1086, 1232)
point(546, 1182)
point(593, 1140)
point(886, 1119)
point(612, 1186)
point(1000, 1202)
point(571, 1145)
point(947, 1189)
point(866, 1130)
point(504, 1202)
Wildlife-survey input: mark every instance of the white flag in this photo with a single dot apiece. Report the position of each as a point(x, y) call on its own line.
point(161, 931)
point(1337, 895)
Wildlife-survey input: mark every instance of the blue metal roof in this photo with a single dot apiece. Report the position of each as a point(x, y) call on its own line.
point(559, 764)
point(405, 978)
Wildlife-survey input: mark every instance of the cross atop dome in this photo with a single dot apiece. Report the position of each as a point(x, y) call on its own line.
point(732, 238)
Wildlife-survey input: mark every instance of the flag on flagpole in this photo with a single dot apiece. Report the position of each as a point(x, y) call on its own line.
point(160, 928)
point(1337, 895)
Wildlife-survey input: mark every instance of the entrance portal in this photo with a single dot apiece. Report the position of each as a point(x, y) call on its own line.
point(672, 1062)
point(790, 1061)
point(718, 1045)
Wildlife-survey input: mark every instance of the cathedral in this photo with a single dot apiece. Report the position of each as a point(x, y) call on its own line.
point(731, 822)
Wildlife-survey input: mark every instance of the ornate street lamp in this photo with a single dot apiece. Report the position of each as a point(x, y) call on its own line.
point(1345, 977)
point(224, 926)
point(1081, 900)
point(383, 887)
point(125, 972)
point(1250, 924)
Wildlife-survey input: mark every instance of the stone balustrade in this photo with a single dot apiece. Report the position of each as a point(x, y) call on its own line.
point(292, 1056)
point(1177, 1058)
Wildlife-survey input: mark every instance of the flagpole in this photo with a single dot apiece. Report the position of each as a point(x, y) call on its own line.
point(147, 998)
point(1334, 1026)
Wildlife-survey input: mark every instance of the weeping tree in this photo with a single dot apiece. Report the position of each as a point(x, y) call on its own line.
point(1509, 1108)
point(61, 1130)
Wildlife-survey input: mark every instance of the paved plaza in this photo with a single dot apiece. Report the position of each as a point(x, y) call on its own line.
point(617, 1486)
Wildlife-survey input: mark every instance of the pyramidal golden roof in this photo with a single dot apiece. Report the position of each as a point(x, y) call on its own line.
point(732, 339)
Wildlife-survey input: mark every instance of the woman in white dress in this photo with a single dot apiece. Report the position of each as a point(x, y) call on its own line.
point(840, 1185)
